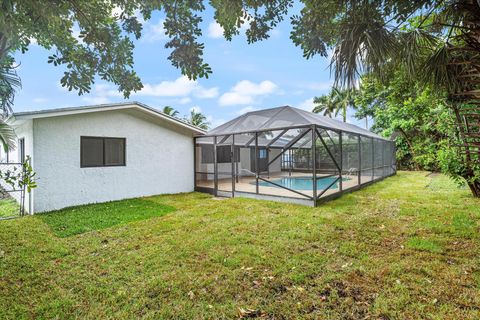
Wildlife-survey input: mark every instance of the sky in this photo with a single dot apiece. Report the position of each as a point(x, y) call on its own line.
point(245, 77)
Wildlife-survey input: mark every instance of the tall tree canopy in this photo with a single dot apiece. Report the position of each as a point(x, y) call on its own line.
point(107, 29)
point(436, 43)
point(416, 116)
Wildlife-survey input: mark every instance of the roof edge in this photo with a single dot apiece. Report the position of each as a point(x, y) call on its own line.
point(103, 107)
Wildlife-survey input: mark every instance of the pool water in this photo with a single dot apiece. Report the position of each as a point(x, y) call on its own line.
point(302, 183)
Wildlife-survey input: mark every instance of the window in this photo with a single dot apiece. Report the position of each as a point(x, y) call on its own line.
point(207, 153)
point(102, 152)
point(224, 154)
point(262, 153)
point(21, 150)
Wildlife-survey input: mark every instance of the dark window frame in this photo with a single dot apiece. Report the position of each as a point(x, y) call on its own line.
point(21, 150)
point(124, 164)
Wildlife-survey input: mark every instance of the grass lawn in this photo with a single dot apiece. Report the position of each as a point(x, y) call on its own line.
point(8, 208)
point(404, 248)
point(76, 220)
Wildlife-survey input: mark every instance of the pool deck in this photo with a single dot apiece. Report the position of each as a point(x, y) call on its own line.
point(247, 184)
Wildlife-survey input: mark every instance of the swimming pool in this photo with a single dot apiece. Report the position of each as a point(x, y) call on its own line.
point(301, 183)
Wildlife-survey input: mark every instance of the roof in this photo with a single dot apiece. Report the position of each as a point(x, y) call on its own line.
point(106, 107)
point(283, 118)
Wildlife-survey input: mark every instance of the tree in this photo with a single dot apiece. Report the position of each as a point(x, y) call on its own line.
point(334, 102)
point(419, 118)
point(106, 29)
point(198, 119)
point(435, 41)
point(325, 104)
point(170, 111)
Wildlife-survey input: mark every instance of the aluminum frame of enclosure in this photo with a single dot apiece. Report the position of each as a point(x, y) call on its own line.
point(374, 159)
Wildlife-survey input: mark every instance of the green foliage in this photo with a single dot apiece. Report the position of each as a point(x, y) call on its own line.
point(334, 102)
point(107, 29)
point(170, 111)
point(7, 136)
point(9, 82)
point(20, 177)
point(198, 119)
point(417, 117)
point(81, 219)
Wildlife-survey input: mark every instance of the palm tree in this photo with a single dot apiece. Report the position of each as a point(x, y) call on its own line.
point(198, 119)
point(170, 111)
point(343, 100)
point(325, 104)
point(334, 102)
point(9, 82)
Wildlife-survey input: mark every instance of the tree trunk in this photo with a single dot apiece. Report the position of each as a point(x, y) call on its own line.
point(475, 188)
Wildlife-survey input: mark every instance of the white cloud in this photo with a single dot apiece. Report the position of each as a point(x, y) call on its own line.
point(245, 110)
point(181, 87)
point(154, 32)
point(215, 30)
point(206, 93)
point(307, 105)
point(101, 94)
point(33, 41)
point(195, 109)
point(245, 92)
point(116, 11)
point(185, 100)
point(40, 100)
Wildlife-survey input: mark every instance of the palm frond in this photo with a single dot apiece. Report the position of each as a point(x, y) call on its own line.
point(9, 83)
point(365, 46)
point(413, 44)
point(436, 69)
point(170, 111)
point(7, 136)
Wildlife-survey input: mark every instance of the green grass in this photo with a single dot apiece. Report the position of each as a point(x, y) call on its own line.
point(80, 219)
point(424, 245)
point(8, 208)
point(404, 248)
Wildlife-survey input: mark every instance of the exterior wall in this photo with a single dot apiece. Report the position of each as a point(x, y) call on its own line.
point(159, 159)
point(244, 165)
point(23, 130)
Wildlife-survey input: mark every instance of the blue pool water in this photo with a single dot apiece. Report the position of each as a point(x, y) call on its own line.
point(302, 183)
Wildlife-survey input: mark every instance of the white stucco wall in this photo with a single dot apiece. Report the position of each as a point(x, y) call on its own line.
point(244, 166)
point(159, 159)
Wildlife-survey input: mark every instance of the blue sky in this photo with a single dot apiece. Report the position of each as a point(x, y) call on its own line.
point(245, 77)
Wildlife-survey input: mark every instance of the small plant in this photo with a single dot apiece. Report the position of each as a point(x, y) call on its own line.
point(20, 178)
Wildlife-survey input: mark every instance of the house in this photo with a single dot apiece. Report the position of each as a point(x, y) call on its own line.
point(102, 153)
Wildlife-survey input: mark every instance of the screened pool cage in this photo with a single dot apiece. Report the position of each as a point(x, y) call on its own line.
point(288, 154)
